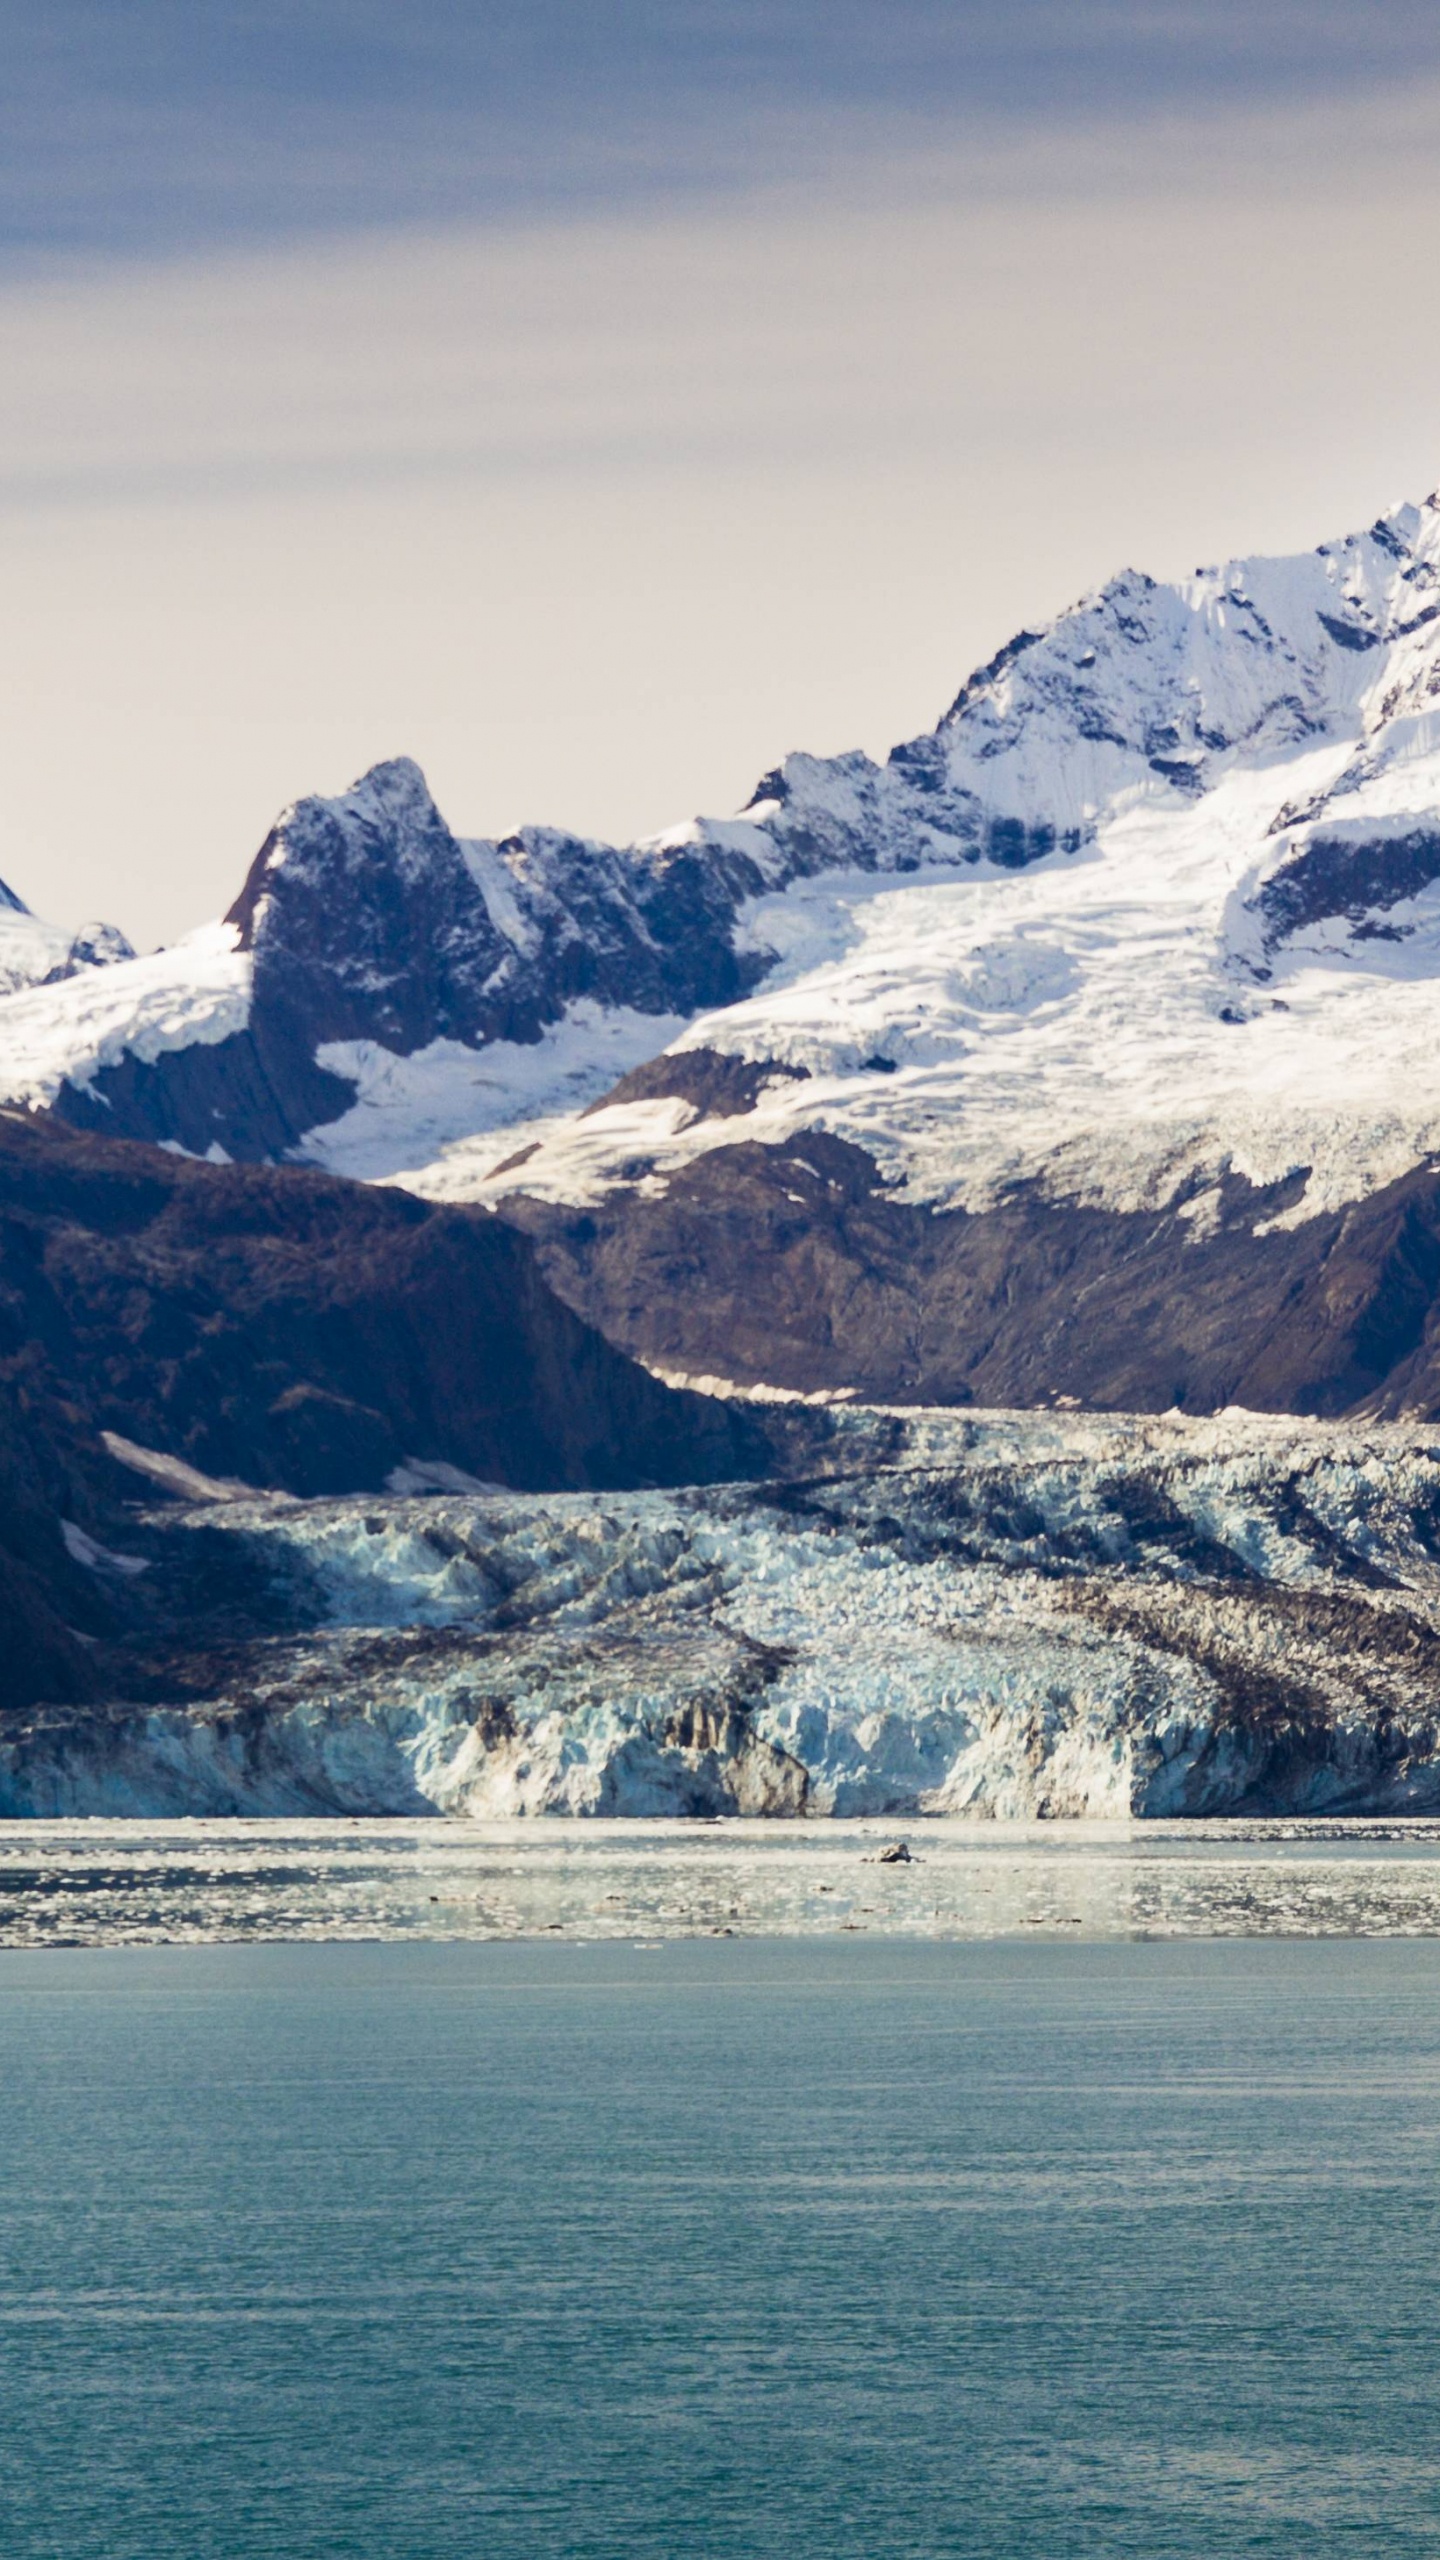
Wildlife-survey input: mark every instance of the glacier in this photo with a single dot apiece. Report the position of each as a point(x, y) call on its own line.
point(1004, 1616)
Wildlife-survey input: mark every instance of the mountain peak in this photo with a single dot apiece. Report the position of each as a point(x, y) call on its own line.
point(386, 817)
point(1267, 732)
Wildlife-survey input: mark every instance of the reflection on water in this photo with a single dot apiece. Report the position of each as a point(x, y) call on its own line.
point(85, 1883)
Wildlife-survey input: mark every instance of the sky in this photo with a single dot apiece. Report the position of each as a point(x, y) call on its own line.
point(597, 399)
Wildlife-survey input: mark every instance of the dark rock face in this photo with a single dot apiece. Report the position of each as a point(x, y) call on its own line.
point(1349, 635)
point(289, 1330)
point(1334, 876)
point(365, 922)
point(251, 1094)
point(1016, 1306)
point(51, 1609)
point(366, 919)
point(717, 1086)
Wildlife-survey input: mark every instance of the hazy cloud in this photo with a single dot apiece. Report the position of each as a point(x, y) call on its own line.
point(599, 400)
point(599, 519)
point(144, 126)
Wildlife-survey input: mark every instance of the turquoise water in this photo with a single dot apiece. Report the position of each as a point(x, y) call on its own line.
point(833, 2248)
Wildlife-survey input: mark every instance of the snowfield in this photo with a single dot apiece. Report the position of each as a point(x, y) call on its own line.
point(1083, 1024)
point(196, 992)
point(35, 954)
point(447, 1092)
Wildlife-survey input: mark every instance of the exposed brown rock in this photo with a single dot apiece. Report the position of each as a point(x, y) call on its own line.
point(289, 1329)
point(792, 1266)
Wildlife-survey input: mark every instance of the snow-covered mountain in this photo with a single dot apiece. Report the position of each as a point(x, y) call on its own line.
point(1223, 951)
point(36, 954)
point(370, 949)
point(1061, 1054)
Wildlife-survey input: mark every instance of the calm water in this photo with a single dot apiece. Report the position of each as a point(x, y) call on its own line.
point(126, 1883)
point(824, 2247)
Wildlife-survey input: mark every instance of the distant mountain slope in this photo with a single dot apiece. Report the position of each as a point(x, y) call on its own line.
point(790, 1265)
point(282, 1329)
point(1129, 971)
point(1221, 954)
